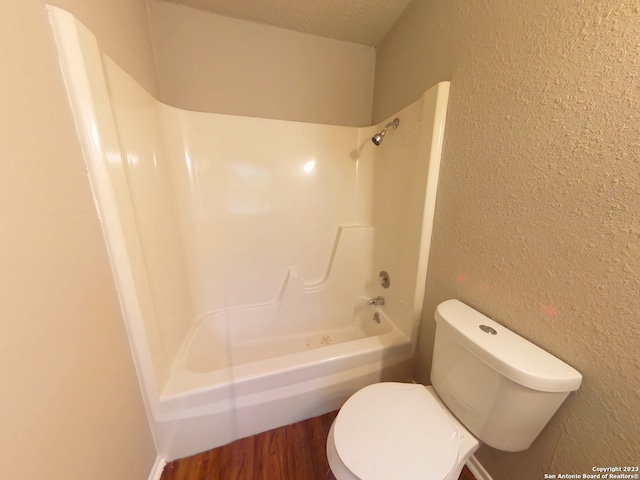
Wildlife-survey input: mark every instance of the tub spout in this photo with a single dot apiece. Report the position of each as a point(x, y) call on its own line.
point(376, 301)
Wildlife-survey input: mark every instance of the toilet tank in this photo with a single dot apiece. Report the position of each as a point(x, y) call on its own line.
point(503, 388)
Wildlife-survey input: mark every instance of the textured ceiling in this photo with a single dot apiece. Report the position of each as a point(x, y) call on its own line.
point(358, 21)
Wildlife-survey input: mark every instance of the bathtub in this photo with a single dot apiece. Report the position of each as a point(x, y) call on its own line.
point(232, 379)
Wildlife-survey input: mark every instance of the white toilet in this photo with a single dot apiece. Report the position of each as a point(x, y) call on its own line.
point(489, 385)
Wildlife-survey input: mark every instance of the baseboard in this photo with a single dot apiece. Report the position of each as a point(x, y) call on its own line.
point(156, 470)
point(477, 469)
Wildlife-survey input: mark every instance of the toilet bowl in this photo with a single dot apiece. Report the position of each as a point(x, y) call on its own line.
point(489, 386)
point(397, 431)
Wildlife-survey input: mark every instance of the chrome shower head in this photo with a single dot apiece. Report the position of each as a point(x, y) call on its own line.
point(378, 137)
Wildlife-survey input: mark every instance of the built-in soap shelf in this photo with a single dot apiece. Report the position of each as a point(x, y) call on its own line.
point(299, 305)
point(351, 255)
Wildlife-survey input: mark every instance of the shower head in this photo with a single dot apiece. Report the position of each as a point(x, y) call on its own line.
point(378, 137)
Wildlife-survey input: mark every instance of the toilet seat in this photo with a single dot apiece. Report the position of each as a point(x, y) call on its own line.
point(395, 430)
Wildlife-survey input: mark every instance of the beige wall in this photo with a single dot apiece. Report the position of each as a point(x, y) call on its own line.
point(70, 405)
point(121, 27)
point(538, 212)
point(212, 63)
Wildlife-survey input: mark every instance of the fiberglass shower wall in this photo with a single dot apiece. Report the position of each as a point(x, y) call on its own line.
point(257, 198)
point(154, 246)
point(236, 212)
point(218, 212)
point(233, 213)
point(121, 141)
point(403, 190)
point(269, 208)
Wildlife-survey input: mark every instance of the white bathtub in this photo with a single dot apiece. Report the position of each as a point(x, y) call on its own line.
point(228, 383)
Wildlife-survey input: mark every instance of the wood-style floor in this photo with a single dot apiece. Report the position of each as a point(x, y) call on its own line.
point(293, 452)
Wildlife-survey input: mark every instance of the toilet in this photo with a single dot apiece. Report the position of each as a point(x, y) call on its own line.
point(490, 386)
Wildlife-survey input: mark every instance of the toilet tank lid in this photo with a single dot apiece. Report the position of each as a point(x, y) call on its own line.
point(505, 351)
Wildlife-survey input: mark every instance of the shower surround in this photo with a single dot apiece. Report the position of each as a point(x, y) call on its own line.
point(245, 250)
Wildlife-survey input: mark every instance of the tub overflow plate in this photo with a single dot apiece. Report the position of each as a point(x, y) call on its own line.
point(383, 278)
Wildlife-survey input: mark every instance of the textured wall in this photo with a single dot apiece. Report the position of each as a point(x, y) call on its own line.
point(211, 63)
point(538, 213)
point(70, 405)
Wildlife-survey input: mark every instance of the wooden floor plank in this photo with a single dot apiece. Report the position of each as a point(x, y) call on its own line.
point(293, 452)
point(317, 442)
point(270, 455)
point(466, 474)
point(298, 460)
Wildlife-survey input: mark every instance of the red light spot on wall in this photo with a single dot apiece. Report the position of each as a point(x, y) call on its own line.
point(549, 310)
point(461, 277)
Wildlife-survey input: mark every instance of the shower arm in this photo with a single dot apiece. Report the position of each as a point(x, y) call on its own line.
point(378, 137)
